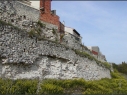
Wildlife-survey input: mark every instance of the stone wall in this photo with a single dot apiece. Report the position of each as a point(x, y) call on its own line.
point(21, 15)
point(18, 14)
point(49, 67)
point(25, 57)
point(0, 66)
point(26, 17)
point(49, 25)
point(71, 41)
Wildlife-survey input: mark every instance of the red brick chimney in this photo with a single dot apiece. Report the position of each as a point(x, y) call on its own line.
point(46, 15)
point(46, 4)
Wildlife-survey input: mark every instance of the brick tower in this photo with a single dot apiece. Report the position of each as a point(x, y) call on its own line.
point(47, 15)
point(45, 5)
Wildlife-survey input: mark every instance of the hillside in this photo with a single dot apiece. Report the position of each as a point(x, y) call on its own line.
point(122, 68)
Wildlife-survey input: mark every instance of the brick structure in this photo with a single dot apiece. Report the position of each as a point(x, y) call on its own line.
point(94, 52)
point(61, 28)
point(47, 15)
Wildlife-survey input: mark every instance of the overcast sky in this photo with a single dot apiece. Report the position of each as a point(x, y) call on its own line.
point(100, 23)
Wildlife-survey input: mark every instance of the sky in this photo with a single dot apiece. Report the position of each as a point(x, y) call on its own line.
point(100, 23)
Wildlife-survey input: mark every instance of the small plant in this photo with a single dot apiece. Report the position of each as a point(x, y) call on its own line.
point(39, 29)
point(31, 33)
point(61, 37)
point(54, 31)
point(84, 54)
point(44, 25)
point(35, 33)
point(41, 24)
point(9, 24)
point(3, 22)
point(56, 40)
point(106, 64)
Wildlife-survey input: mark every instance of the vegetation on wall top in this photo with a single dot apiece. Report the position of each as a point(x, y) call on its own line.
point(86, 55)
point(41, 24)
point(9, 24)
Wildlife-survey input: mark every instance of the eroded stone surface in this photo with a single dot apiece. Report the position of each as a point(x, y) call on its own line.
point(25, 57)
point(48, 67)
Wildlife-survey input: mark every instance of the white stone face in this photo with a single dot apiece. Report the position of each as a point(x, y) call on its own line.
point(24, 57)
point(56, 68)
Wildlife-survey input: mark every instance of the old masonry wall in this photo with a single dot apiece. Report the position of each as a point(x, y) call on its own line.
point(25, 57)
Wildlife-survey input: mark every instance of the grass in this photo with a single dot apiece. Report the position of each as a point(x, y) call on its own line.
point(85, 47)
point(69, 86)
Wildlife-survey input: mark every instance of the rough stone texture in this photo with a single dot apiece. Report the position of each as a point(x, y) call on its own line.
point(21, 15)
point(18, 14)
point(71, 41)
point(26, 17)
point(0, 67)
point(50, 26)
point(25, 57)
point(30, 12)
point(48, 67)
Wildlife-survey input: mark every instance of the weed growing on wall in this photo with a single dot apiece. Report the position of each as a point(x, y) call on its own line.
point(35, 33)
point(2, 22)
point(54, 31)
point(61, 37)
point(31, 33)
point(84, 54)
point(9, 24)
point(41, 24)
